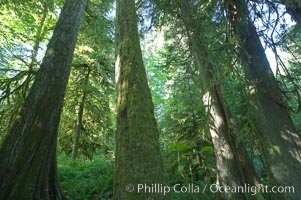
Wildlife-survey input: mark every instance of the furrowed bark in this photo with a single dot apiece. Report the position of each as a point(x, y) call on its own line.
point(138, 157)
point(28, 153)
point(282, 145)
point(233, 165)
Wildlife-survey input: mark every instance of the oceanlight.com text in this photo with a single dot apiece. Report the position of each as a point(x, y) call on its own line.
point(212, 188)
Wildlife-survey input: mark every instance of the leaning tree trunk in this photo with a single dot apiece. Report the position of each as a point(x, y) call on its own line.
point(138, 157)
point(282, 155)
point(28, 154)
point(282, 145)
point(233, 165)
point(293, 7)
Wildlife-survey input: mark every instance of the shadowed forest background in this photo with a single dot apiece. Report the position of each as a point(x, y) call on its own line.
point(96, 95)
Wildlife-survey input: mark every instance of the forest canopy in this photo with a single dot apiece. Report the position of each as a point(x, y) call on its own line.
point(149, 99)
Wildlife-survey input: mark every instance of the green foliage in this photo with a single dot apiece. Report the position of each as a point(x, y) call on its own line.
point(24, 32)
point(92, 76)
point(86, 180)
point(25, 27)
point(289, 75)
point(180, 114)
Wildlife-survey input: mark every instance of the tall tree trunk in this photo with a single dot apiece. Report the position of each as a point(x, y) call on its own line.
point(28, 153)
point(79, 121)
point(293, 7)
point(233, 165)
point(282, 145)
point(138, 157)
